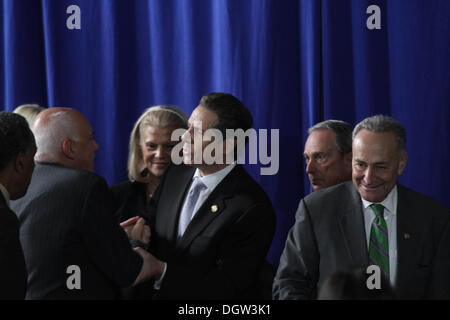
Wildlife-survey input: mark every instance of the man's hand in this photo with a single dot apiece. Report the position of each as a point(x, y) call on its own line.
point(136, 229)
point(152, 268)
point(141, 232)
point(128, 225)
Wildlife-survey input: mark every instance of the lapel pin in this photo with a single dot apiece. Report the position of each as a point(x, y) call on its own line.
point(407, 236)
point(214, 208)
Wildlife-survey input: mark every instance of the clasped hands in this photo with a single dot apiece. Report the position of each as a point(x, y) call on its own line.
point(137, 229)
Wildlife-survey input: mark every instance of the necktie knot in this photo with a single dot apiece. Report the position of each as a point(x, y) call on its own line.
point(197, 186)
point(377, 208)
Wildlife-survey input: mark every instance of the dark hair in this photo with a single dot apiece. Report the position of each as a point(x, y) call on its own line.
point(343, 133)
point(231, 112)
point(15, 137)
point(352, 285)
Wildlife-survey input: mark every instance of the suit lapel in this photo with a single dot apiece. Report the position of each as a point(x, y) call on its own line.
point(168, 211)
point(213, 206)
point(352, 226)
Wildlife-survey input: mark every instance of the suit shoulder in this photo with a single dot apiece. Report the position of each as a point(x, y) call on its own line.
point(420, 200)
point(249, 188)
point(327, 195)
point(69, 178)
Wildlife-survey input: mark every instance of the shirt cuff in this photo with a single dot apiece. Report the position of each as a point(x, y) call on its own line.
point(157, 284)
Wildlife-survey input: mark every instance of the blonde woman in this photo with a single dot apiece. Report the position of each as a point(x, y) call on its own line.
point(29, 112)
point(148, 159)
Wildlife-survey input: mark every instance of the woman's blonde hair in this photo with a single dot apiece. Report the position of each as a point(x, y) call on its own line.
point(156, 116)
point(29, 112)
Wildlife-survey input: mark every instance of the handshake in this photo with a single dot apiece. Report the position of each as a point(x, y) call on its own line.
point(139, 232)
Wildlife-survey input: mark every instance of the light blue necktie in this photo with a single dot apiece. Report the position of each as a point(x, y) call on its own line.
point(189, 205)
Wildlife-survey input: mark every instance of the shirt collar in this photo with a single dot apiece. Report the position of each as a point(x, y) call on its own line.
point(212, 180)
point(5, 194)
point(389, 203)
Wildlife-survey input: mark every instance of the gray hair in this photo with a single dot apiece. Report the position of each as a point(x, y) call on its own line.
point(156, 116)
point(382, 123)
point(342, 130)
point(50, 135)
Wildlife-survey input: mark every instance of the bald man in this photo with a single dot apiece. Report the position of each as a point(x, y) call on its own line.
point(73, 248)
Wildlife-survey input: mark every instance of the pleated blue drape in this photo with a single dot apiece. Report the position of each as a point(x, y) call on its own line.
point(292, 62)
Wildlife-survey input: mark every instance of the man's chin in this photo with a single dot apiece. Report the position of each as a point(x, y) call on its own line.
point(190, 160)
point(316, 185)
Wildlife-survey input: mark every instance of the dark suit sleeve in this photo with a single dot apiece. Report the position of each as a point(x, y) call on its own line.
point(297, 273)
point(440, 275)
point(106, 242)
point(239, 258)
point(13, 274)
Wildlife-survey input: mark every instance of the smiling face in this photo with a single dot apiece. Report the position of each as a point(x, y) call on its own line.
point(376, 164)
point(201, 119)
point(325, 165)
point(156, 147)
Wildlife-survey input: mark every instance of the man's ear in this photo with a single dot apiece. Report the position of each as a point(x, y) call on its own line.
point(67, 148)
point(229, 149)
point(19, 162)
point(402, 162)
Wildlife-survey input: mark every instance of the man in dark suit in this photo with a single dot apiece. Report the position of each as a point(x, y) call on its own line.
point(73, 247)
point(213, 224)
point(372, 221)
point(17, 149)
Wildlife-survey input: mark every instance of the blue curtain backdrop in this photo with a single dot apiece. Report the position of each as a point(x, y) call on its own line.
point(292, 62)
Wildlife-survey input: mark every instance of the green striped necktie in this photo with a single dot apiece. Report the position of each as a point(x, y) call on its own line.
point(379, 245)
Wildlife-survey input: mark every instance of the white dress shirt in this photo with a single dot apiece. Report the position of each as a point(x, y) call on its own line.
point(210, 181)
point(5, 194)
point(390, 216)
